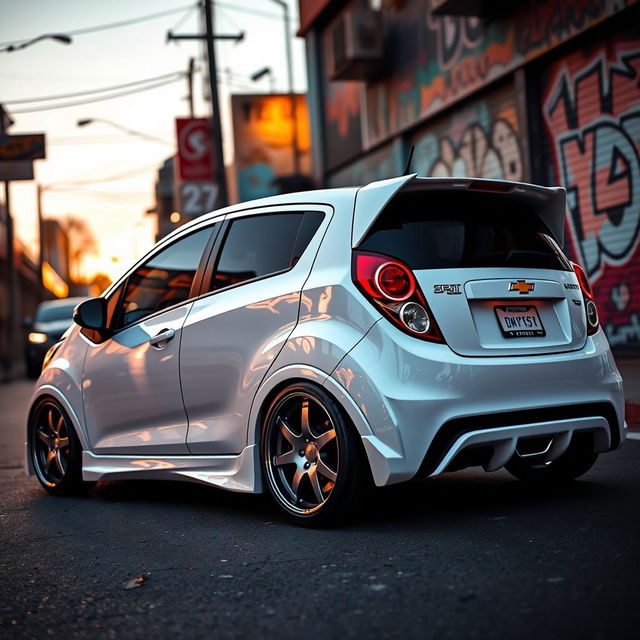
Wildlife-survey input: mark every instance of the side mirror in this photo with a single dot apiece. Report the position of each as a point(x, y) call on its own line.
point(91, 314)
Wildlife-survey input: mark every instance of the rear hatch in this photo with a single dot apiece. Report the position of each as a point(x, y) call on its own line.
point(488, 262)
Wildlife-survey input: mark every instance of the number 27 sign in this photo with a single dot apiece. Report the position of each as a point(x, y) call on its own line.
point(197, 197)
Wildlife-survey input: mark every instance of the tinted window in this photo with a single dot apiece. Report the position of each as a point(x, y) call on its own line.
point(257, 246)
point(310, 223)
point(165, 279)
point(450, 230)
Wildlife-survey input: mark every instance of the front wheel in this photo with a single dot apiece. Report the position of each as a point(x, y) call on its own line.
point(311, 457)
point(55, 450)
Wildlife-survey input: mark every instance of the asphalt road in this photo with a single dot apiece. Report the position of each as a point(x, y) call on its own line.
point(465, 555)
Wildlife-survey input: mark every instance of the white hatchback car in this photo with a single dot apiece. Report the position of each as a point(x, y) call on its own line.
point(307, 343)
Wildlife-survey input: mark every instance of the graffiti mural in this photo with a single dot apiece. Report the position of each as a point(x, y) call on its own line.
point(591, 111)
point(437, 60)
point(481, 141)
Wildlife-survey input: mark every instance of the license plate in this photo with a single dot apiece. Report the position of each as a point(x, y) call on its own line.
point(520, 321)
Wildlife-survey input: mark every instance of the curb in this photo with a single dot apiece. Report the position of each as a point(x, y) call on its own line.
point(632, 415)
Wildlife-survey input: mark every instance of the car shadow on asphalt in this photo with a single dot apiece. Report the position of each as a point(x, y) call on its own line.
point(452, 499)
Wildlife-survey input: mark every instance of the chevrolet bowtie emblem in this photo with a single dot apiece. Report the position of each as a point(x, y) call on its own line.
point(522, 286)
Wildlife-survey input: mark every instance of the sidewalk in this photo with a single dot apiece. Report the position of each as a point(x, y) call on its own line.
point(630, 371)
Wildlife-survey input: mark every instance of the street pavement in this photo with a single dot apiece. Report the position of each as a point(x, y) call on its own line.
point(461, 556)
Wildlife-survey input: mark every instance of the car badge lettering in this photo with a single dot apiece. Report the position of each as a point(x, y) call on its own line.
point(449, 289)
point(522, 287)
point(569, 285)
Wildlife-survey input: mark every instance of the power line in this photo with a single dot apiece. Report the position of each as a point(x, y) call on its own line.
point(98, 99)
point(111, 178)
point(114, 25)
point(86, 92)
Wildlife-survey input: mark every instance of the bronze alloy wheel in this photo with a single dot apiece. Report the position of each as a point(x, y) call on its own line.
point(54, 449)
point(311, 458)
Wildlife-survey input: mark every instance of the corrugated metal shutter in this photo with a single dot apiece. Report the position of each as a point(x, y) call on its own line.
point(590, 111)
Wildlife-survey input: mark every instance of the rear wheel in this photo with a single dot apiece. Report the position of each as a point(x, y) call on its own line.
point(311, 457)
point(55, 450)
point(573, 463)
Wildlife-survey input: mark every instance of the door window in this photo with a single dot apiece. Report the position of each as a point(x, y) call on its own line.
point(263, 245)
point(164, 280)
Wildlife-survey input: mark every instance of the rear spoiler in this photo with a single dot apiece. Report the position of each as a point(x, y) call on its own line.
point(548, 203)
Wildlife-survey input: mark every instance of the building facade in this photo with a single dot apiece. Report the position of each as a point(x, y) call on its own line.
point(546, 91)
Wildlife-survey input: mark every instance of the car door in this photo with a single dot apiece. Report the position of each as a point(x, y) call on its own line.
point(131, 381)
point(234, 333)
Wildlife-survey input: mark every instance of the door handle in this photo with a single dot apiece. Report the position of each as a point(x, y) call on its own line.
point(160, 340)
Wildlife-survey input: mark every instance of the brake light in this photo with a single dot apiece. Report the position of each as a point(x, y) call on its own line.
point(590, 308)
point(391, 287)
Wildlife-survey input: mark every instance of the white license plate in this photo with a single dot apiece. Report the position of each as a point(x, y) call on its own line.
point(520, 321)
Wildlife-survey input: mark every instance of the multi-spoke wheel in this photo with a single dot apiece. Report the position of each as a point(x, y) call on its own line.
point(54, 448)
point(310, 455)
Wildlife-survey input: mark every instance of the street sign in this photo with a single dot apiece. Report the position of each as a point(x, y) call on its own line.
point(16, 170)
point(195, 149)
point(196, 198)
point(22, 147)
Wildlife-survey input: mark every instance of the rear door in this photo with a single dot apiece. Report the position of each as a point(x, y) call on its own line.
point(249, 307)
point(496, 281)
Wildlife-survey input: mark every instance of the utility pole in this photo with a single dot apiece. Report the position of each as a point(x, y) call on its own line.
point(216, 127)
point(292, 96)
point(13, 315)
point(215, 105)
point(190, 85)
point(43, 290)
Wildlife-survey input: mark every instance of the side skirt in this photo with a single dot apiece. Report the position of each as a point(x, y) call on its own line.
point(235, 473)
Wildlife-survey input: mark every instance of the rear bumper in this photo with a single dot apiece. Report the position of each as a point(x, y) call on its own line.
point(411, 393)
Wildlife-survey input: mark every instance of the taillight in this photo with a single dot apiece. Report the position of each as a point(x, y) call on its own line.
point(392, 288)
point(589, 303)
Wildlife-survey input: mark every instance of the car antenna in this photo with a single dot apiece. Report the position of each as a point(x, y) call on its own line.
point(407, 168)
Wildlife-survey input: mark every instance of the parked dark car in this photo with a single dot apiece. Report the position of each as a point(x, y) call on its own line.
point(52, 319)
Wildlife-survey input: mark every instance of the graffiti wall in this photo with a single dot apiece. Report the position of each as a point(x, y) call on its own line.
point(481, 140)
point(432, 62)
point(591, 113)
point(384, 163)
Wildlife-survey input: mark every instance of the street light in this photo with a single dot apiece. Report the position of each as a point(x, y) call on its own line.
point(294, 138)
point(87, 121)
point(57, 37)
point(264, 72)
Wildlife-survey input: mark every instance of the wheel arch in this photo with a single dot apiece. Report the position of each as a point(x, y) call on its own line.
point(49, 391)
point(292, 374)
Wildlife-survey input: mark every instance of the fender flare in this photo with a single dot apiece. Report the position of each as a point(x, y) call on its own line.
point(56, 394)
point(300, 372)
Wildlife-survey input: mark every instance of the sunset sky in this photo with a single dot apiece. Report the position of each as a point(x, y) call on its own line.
point(80, 161)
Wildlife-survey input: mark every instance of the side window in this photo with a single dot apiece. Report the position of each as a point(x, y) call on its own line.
point(164, 280)
point(257, 246)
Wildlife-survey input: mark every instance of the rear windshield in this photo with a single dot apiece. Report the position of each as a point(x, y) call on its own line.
point(452, 230)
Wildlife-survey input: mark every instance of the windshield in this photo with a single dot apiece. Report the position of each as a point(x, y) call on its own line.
point(55, 313)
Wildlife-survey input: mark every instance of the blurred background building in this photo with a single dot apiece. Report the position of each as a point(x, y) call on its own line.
point(546, 91)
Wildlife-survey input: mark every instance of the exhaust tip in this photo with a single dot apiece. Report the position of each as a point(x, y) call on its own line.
point(533, 446)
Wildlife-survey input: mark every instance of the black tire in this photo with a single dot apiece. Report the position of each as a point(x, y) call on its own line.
point(316, 473)
point(573, 463)
point(54, 449)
